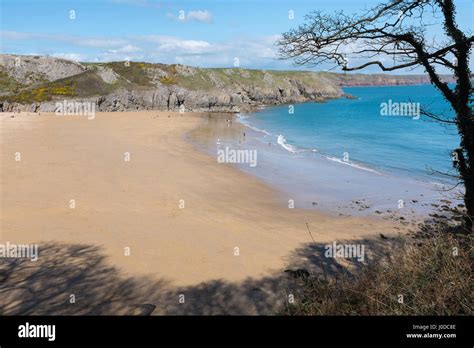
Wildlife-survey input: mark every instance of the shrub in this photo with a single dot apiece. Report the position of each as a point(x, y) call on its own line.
point(44, 93)
point(166, 80)
point(433, 275)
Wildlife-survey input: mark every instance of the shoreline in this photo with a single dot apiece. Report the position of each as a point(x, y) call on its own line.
point(137, 205)
point(339, 189)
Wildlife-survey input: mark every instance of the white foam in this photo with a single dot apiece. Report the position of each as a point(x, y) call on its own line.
point(352, 164)
point(242, 118)
point(258, 129)
point(282, 142)
point(293, 149)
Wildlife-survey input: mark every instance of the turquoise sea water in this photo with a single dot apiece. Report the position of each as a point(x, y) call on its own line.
point(355, 132)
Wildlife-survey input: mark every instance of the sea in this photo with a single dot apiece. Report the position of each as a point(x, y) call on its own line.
point(375, 151)
point(364, 133)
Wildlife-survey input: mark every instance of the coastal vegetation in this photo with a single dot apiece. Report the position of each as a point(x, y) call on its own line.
point(30, 83)
point(45, 92)
point(427, 273)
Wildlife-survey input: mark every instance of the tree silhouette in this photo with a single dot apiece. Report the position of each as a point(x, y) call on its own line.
point(397, 32)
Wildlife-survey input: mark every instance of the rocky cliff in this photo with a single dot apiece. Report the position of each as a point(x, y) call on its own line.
point(35, 83)
point(354, 80)
point(38, 83)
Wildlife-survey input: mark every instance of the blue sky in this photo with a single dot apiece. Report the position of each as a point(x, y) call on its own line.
point(208, 33)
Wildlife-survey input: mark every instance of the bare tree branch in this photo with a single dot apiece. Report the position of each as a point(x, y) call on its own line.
point(396, 31)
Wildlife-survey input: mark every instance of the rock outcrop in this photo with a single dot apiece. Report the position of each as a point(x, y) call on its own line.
point(38, 83)
point(33, 69)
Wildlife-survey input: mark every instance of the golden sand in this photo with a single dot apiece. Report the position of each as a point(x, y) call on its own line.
point(74, 185)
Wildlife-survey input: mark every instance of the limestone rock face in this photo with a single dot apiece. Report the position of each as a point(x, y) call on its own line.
point(32, 83)
point(176, 99)
point(33, 69)
point(106, 74)
point(185, 70)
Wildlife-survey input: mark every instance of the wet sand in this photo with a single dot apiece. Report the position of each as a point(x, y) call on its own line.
point(314, 182)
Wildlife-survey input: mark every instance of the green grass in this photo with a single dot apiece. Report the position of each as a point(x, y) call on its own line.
point(9, 84)
point(166, 80)
point(90, 84)
point(135, 75)
point(43, 93)
point(85, 84)
point(132, 71)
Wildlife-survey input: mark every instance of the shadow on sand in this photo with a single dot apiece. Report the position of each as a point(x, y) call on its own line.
point(80, 272)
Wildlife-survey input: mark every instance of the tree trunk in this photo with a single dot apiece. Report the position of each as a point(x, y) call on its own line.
point(466, 165)
point(465, 123)
point(469, 200)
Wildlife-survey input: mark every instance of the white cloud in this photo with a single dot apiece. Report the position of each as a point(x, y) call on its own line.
point(109, 56)
point(186, 46)
point(204, 16)
point(199, 16)
point(95, 42)
point(70, 56)
point(172, 44)
point(252, 52)
point(125, 49)
point(13, 35)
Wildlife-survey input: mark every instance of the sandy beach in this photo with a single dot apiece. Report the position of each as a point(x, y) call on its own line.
point(182, 216)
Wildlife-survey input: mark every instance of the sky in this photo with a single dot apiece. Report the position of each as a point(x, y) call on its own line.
point(206, 33)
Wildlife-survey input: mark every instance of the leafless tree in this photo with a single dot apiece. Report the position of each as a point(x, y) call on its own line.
point(392, 36)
